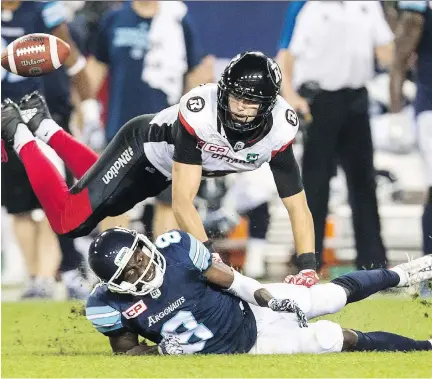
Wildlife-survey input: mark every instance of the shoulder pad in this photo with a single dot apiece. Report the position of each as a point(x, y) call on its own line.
point(285, 122)
point(196, 108)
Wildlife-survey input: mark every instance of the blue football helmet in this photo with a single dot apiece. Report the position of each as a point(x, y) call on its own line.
point(111, 251)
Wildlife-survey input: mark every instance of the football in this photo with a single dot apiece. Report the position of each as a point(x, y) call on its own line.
point(35, 55)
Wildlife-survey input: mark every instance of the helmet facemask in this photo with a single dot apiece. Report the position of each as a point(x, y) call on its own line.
point(140, 287)
point(266, 105)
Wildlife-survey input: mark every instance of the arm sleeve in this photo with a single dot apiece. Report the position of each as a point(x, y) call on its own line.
point(286, 173)
point(100, 46)
point(382, 33)
point(199, 254)
point(104, 318)
point(290, 19)
point(186, 149)
point(414, 6)
point(194, 49)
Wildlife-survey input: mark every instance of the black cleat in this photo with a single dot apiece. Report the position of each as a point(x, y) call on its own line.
point(10, 118)
point(34, 109)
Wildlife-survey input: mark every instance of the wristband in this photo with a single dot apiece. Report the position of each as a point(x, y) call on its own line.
point(210, 246)
point(306, 261)
point(77, 67)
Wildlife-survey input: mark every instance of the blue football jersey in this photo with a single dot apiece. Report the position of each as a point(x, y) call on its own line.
point(147, 59)
point(206, 319)
point(423, 101)
point(29, 17)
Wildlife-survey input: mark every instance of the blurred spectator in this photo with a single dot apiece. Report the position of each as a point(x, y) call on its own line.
point(150, 52)
point(33, 232)
point(330, 47)
point(414, 35)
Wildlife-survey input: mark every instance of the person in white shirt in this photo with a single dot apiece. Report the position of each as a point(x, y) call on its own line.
point(333, 46)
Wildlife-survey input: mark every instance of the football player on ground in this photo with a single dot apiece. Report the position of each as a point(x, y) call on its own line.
point(174, 295)
point(234, 126)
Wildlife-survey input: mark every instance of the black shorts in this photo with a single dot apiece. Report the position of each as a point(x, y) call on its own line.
point(122, 176)
point(165, 197)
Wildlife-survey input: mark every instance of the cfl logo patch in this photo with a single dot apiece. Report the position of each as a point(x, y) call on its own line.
point(135, 310)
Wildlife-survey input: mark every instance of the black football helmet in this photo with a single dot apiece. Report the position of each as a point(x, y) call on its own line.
point(110, 252)
point(251, 76)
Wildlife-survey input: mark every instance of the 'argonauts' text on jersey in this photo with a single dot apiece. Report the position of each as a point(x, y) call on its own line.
point(197, 112)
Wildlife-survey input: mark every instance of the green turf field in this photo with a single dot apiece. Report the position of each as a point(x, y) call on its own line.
point(54, 340)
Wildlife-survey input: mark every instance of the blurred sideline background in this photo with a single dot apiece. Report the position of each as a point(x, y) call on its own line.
point(225, 29)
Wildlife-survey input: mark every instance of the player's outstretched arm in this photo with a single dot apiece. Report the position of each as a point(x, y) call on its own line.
point(186, 179)
point(250, 290)
point(289, 184)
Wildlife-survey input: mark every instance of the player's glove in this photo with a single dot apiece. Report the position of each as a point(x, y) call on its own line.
point(170, 345)
point(304, 278)
point(215, 256)
point(290, 306)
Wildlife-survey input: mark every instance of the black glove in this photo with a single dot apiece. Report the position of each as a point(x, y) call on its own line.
point(290, 306)
point(170, 345)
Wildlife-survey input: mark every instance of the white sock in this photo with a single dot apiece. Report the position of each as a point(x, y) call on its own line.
point(47, 129)
point(22, 136)
point(402, 275)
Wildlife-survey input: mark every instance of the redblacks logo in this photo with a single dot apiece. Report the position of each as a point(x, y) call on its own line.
point(135, 310)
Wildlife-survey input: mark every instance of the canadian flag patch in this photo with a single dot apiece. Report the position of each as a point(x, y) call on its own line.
point(135, 310)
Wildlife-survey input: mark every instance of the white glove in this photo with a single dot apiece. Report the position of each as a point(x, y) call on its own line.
point(93, 133)
point(170, 345)
point(289, 306)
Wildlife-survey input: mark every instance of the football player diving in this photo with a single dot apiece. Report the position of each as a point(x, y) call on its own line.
point(173, 294)
point(216, 129)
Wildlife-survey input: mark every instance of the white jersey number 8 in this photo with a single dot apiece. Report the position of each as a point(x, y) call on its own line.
point(166, 239)
point(187, 319)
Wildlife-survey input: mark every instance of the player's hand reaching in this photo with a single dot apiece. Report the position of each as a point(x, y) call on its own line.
point(290, 306)
point(170, 345)
point(216, 258)
point(304, 278)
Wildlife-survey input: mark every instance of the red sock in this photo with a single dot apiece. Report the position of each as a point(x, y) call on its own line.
point(65, 211)
point(77, 157)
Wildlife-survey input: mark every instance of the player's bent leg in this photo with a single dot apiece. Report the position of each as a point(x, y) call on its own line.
point(381, 341)
point(361, 284)
point(65, 211)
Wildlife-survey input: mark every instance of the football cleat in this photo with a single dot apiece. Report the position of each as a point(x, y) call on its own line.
point(10, 118)
point(414, 271)
point(34, 109)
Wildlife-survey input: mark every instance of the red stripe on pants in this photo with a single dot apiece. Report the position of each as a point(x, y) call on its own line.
point(65, 211)
point(77, 157)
